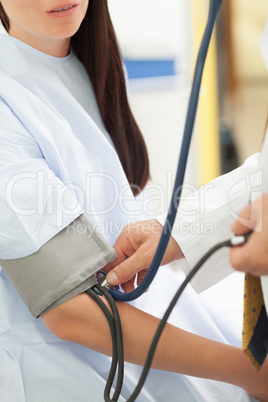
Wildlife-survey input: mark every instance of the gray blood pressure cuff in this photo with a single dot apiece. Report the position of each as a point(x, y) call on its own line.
point(63, 267)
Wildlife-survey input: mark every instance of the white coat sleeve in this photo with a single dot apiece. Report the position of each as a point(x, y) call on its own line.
point(204, 219)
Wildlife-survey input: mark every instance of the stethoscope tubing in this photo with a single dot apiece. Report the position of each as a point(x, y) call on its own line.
point(214, 9)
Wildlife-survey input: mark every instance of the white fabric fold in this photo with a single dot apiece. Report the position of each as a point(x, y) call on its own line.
point(204, 219)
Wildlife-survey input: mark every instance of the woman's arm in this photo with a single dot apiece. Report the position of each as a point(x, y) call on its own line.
point(81, 320)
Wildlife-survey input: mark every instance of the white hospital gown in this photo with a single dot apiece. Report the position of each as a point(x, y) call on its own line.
point(51, 129)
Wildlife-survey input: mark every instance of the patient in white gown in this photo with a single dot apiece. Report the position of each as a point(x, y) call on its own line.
point(69, 147)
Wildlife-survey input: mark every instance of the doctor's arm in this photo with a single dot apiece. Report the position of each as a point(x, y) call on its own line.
point(135, 248)
point(203, 220)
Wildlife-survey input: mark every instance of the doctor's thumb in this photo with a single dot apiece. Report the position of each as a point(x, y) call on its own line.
point(112, 278)
point(124, 271)
point(119, 274)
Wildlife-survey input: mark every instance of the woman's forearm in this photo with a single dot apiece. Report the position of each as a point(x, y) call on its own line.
point(81, 320)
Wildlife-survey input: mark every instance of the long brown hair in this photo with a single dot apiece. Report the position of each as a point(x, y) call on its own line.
point(4, 18)
point(96, 47)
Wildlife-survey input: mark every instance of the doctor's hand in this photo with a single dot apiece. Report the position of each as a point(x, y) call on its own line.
point(252, 257)
point(135, 247)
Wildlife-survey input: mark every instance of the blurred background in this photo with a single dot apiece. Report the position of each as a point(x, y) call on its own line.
point(159, 41)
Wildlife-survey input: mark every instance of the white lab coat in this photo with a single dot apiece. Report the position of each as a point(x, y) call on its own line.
point(45, 132)
point(204, 218)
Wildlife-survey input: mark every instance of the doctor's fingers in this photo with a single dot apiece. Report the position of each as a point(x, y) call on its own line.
point(133, 265)
point(130, 284)
point(254, 216)
point(127, 281)
point(132, 237)
point(124, 250)
point(136, 234)
point(244, 222)
point(252, 257)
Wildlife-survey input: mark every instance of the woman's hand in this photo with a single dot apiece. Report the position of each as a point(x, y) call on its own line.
point(252, 257)
point(136, 246)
